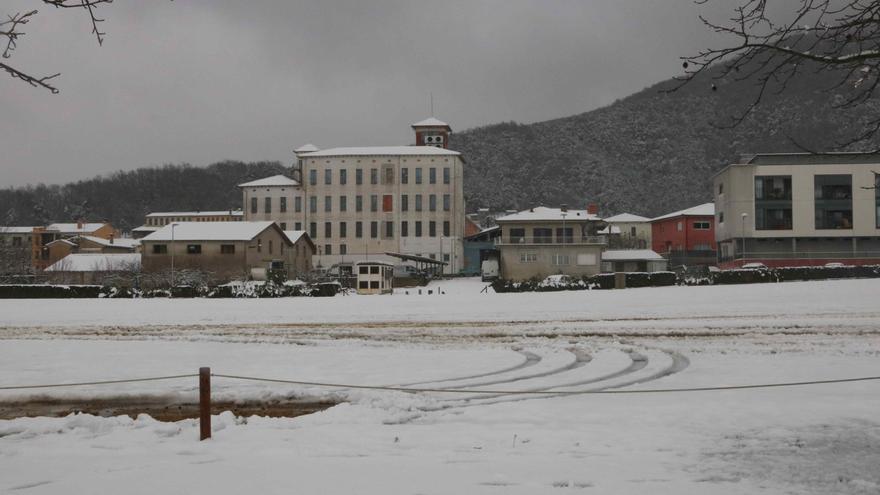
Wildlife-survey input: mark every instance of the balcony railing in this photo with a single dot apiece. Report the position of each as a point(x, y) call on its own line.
point(555, 240)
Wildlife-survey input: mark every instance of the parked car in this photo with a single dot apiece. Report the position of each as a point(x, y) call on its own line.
point(489, 270)
point(754, 266)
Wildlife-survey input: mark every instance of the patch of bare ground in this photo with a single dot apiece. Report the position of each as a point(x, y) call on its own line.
point(161, 408)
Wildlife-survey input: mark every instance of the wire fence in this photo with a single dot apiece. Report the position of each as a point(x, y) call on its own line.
point(548, 391)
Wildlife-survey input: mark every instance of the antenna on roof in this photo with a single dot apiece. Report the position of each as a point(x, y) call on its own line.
point(432, 102)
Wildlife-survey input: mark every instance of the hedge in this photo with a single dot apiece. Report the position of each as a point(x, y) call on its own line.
point(266, 290)
point(602, 281)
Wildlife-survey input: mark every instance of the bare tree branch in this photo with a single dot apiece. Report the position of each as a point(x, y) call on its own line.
point(837, 37)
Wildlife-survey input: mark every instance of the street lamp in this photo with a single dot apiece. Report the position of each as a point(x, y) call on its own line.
point(172, 259)
point(743, 237)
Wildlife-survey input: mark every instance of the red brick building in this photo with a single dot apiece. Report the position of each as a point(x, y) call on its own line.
point(686, 237)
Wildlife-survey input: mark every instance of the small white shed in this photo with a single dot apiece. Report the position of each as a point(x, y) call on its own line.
point(632, 260)
point(374, 277)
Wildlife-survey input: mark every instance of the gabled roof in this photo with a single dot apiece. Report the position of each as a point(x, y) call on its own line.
point(630, 254)
point(306, 148)
point(96, 262)
point(211, 231)
point(275, 180)
point(431, 122)
point(627, 217)
point(75, 228)
point(384, 151)
point(61, 241)
point(296, 235)
point(122, 242)
point(542, 213)
point(703, 210)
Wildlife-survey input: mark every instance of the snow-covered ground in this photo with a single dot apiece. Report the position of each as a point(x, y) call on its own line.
point(814, 439)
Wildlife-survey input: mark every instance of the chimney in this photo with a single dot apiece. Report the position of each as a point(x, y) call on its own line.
point(79, 224)
point(563, 208)
point(593, 209)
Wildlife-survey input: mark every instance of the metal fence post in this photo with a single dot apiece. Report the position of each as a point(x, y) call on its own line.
point(204, 403)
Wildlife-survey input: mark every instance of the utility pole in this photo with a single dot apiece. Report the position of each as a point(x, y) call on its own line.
point(172, 259)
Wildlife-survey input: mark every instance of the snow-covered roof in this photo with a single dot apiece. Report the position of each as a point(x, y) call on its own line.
point(542, 213)
point(75, 228)
point(96, 262)
point(610, 229)
point(209, 231)
point(306, 148)
point(703, 210)
point(275, 180)
point(627, 217)
point(430, 122)
point(235, 213)
point(146, 228)
point(630, 254)
point(61, 241)
point(16, 230)
point(294, 235)
point(125, 242)
point(385, 151)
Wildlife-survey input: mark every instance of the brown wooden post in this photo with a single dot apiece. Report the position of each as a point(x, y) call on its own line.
point(204, 403)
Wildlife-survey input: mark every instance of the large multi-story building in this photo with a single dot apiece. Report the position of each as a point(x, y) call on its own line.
point(361, 203)
point(796, 209)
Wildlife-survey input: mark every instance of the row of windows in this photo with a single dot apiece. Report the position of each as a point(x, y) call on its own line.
point(162, 221)
point(226, 248)
point(558, 259)
point(387, 229)
point(387, 176)
point(342, 203)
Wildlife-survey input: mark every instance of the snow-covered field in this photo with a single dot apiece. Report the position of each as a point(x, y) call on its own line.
point(812, 439)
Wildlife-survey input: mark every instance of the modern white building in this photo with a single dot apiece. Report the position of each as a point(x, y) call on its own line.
point(795, 209)
point(358, 203)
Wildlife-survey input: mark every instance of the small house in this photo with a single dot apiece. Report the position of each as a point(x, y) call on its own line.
point(374, 277)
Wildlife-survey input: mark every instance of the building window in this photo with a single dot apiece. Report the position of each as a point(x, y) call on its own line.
point(700, 225)
point(342, 229)
point(418, 202)
point(358, 203)
point(418, 229)
point(720, 188)
point(374, 230)
point(432, 202)
point(328, 249)
point(446, 229)
point(542, 235)
point(374, 176)
point(387, 175)
point(528, 257)
point(518, 235)
point(343, 203)
point(680, 226)
point(363, 284)
point(313, 230)
point(343, 176)
point(328, 177)
point(389, 230)
point(404, 229)
point(773, 203)
point(432, 175)
point(374, 202)
point(193, 249)
point(160, 249)
point(259, 245)
point(298, 226)
point(359, 176)
point(418, 175)
point(833, 200)
point(313, 177)
point(313, 204)
point(270, 246)
point(561, 259)
point(446, 175)
point(328, 203)
point(404, 175)
point(404, 202)
point(283, 225)
point(253, 205)
point(298, 204)
point(720, 217)
point(343, 249)
point(358, 229)
point(283, 206)
point(432, 229)
point(446, 202)
point(387, 203)
point(328, 230)
point(227, 248)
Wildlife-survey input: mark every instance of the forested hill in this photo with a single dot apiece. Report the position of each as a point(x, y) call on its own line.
point(650, 153)
point(654, 151)
point(123, 198)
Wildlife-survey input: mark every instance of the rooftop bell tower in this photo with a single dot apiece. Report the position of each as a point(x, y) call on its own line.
point(432, 132)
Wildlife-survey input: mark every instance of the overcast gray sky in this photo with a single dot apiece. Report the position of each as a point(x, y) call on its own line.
point(200, 81)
